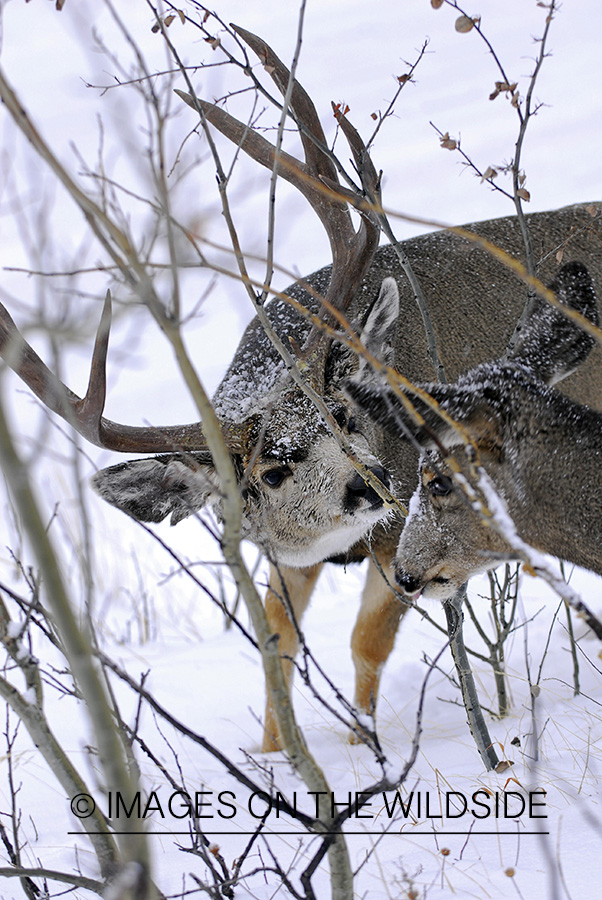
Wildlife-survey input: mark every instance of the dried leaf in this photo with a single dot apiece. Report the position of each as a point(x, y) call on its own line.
point(510, 872)
point(503, 87)
point(488, 174)
point(524, 194)
point(448, 143)
point(182, 16)
point(168, 20)
point(559, 255)
point(592, 210)
point(464, 24)
point(436, 4)
point(403, 78)
point(156, 27)
point(374, 115)
point(503, 765)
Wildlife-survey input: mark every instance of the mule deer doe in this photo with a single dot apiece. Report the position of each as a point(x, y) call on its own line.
point(541, 450)
point(304, 501)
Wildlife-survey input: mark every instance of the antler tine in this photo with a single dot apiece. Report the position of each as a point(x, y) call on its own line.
point(311, 133)
point(333, 213)
point(307, 177)
point(369, 177)
point(318, 162)
point(90, 408)
point(85, 414)
point(253, 144)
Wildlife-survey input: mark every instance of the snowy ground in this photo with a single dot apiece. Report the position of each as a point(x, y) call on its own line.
point(150, 616)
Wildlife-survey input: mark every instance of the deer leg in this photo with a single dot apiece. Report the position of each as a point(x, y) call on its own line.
point(287, 598)
point(374, 634)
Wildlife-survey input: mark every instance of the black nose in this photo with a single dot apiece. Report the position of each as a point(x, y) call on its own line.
point(357, 489)
point(409, 584)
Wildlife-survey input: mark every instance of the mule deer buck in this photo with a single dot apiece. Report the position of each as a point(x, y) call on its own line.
point(541, 450)
point(305, 502)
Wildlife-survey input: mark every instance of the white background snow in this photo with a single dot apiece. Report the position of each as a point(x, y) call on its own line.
point(151, 617)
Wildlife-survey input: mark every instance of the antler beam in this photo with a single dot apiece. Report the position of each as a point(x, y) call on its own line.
point(85, 413)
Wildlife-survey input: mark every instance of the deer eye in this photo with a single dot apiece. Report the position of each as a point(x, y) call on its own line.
point(274, 477)
point(351, 425)
point(441, 486)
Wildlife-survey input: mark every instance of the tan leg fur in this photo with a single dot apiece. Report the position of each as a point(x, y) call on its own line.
point(374, 635)
point(294, 586)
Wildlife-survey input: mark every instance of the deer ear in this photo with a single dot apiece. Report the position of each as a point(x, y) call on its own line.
point(551, 345)
point(379, 328)
point(150, 489)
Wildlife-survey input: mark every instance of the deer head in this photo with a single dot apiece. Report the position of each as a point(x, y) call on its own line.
point(304, 499)
point(540, 450)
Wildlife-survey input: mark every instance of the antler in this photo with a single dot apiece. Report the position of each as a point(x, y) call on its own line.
point(317, 180)
point(85, 413)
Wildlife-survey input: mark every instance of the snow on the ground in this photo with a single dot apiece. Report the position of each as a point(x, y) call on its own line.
point(150, 617)
point(212, 681)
